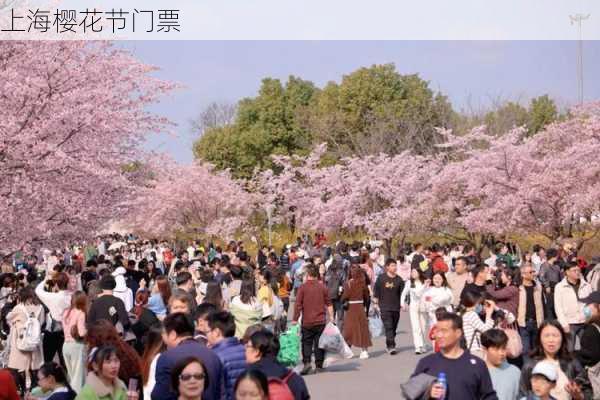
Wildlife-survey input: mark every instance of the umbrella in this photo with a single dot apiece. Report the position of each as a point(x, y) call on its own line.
point(116, 245)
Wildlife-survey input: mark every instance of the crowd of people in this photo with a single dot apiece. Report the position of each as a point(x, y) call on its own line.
point(512, 326)
point(144, 319)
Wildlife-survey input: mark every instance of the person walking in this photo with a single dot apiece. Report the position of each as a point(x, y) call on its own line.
point(356, 327)
point(179, 338)
point(567, 304)
point(387, 297)
point(457, 279)
point(74, 351)
point(435, 296)
point(414, 290)
point(25, 354)
point(550, 275)
point(222, 340)
point(109, 307)
point(312, 301)
point(57, 301)
point(473, 327)
point(467, 376)
point(552, 346)
point(530, 310)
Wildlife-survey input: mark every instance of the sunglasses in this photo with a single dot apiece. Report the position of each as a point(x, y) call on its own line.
point(187, 377)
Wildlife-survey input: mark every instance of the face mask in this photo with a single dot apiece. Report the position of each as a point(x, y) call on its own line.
point(478, 309)
point(587, 312)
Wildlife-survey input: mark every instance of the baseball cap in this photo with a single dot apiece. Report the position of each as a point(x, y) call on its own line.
point(594, 297)
point(546, 369)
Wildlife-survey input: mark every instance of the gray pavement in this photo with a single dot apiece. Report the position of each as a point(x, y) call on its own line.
point(377, 378)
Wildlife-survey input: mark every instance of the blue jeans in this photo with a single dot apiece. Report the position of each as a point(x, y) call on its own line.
point(528, 334)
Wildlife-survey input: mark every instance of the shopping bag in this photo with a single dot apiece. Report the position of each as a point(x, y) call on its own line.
point(331, 339)
point(289, 347)
point(375, 324)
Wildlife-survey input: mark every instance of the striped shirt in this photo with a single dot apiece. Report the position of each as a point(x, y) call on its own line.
point(472, 325)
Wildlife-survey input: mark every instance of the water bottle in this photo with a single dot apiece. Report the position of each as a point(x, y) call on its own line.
point(441, 380)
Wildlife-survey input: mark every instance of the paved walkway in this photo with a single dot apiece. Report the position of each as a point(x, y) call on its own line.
point(378, 378)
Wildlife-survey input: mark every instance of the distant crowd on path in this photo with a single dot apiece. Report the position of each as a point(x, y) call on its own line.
point(139, 319)
point(512, 326)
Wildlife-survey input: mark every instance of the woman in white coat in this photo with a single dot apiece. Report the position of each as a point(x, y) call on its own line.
point(413, 289)
point(435, 296)
point(25, 362)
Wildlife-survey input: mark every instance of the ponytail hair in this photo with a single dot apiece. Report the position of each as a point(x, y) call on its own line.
point(469, 299)
point(56, 371)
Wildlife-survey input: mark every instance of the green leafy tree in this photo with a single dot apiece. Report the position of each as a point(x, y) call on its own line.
point(506, 117)
point(376, 110)
point(264, 125)
point(542, 111)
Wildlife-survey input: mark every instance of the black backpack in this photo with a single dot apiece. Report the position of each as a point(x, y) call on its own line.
point(335, 277)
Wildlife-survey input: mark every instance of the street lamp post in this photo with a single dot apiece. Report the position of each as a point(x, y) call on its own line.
point(578, 19)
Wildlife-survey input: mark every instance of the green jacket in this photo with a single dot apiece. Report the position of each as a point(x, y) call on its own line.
point(244, 318)
point(95, 389)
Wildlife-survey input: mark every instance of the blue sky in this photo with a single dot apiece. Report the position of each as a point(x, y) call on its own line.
point(471, 73)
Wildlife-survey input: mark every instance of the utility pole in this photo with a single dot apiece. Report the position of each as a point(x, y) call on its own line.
point(578, 19)
point(269, 208)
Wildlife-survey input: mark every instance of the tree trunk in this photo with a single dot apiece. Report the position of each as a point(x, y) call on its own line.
point(387, 246)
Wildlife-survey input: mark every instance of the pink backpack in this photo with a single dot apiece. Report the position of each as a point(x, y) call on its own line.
point(279, 389)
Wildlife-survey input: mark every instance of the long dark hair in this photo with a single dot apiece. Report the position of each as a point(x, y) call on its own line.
point(444, 280)
point(247, 291)
point(469, 298)
point(562, 353)
point(162, 282)
point(153, 344)
point(422, 277)
point(103, 333)
point(214, 294)
point(141, 300)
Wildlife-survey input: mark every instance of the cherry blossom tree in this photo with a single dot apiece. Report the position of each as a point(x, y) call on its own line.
point(378, 195)
point(73, 115)
point(191, 198)
point(501, 185)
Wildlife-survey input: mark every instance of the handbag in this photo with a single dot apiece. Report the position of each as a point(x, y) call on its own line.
point(473, 338)
point(75, 334)
point(514, 347)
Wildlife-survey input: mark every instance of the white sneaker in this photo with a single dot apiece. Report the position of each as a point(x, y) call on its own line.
point(364, 355)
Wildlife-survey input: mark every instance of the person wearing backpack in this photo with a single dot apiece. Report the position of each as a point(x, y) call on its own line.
point(335, 278)
point(25, 338)
point(261, 354)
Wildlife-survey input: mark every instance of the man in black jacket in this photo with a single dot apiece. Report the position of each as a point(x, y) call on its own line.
point(107, 306)
point(387, 294)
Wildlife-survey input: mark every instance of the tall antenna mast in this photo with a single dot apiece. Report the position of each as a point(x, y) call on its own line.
point(578, 19)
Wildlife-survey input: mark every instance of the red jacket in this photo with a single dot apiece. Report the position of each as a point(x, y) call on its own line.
point(8, 388)
point(312, 301)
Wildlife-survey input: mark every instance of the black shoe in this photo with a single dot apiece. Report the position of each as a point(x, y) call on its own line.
point(319, 370)
point(392, 351)
point(307, 370)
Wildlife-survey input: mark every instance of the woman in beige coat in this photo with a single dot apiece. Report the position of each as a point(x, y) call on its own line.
point(24, 361)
